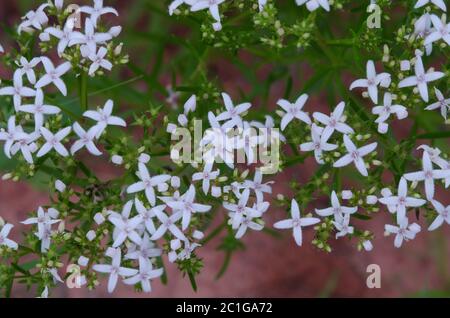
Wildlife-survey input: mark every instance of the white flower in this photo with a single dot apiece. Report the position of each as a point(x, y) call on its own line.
point(114, 270)
point(144, 250)
point(333, 122)
point(98, 10)
point(442, 31)
point(401, 201)
point(27, 68)
point(13, 134)
point(59, 4)
point(176, 3)
point(17, 90)
point(104, 118)
point(4, 240)
point(296, 222)
point(261, 4)
point(206, 176)
point(98, 60)
point(372, 81)
point(336, 208)
point(168, 224)
point(39, 109)
point(186, 207)
point(190, 105)
point(422, 28)
point(294, 111)
point(385, 111)
point(420, 79)
point(428, 174)
point(211, 5)
point(147, 215)
point(145, 275)
point(402, 231)
point(438, 3)
point(26, 145)
point(270, 134)
point(248, 141)
point(125, 229)
point(312, 5)
point(65, 36)
point(86, 140)
point(443, 215)
point(318, 143)
point(34, 19)
point(442, 103)
point(90, 38)
point(257, 186)
point(355, 155)
point(43, 219)
point(341, 223)
point(240, 210)
point(247, 223)
point(53, 141)
point(147, 183)
point(232, 113)
point(53, 75)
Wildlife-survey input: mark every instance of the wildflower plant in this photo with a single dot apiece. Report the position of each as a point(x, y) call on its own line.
point(199, 163)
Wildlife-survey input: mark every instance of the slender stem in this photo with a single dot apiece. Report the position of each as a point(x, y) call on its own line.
point(83, 91)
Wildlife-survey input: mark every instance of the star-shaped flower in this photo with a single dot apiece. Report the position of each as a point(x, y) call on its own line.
point(125, 230)
point(333, 122)
point(420, 79)
point(232, 113)
point(206, 176)
point(294, 111)
point(98, 10)
point(403, 231)
point(64, 36)
point(147, 183)
point(13, 134)
point(428, 175)
point(257, 186)
point(441, 31)
point(145, 275)
point(53, 141)
point(26, 145)
point(168, 224)
point(186, 207)
point(372, 81)
point(240, 210)
point(39, 109)
point(43, 219)
point(296, 222)
point(318, 144)
point(336, 208)
point(53, 75)
point(443, 215)
point(401, 201)
point(27, 68)
point(114, 270)
point(442, 103)
point(104, 117)
point(86, 140)
point(17, 90)
point(355, 155)
point(90, 38)
point(384, 111)
point(98, 60)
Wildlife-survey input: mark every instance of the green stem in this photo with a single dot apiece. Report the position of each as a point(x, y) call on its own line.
point(83, 91)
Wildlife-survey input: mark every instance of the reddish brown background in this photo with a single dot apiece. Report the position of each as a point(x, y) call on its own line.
point(275, 267)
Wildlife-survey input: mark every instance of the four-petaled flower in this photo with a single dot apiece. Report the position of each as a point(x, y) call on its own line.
point(97, 11)
point(145, 275)
point(403, 231)
point(318, 144)
point(442, 103)
point(104, 117)
point(372, 81)
point(206, 176)
point(39, 109)
point(86, 140)
point(53, 75)
point(240, 210)
point(296, 222)
point(294, 111)
point(17, 90)
point(443, 215)
point(114, 270)
point(232, 113)
point(336, 209)
point(420, 79)
point(333, 122)
point(355, 155)
point(53, 141)
point(428, 174)
point(147, 183)
point(401, 201)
